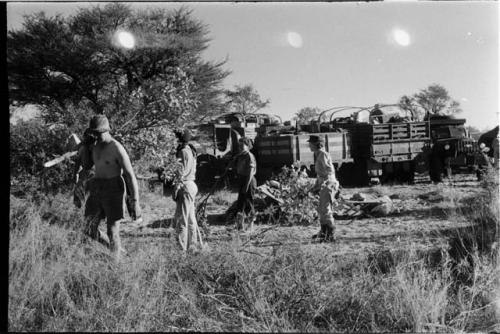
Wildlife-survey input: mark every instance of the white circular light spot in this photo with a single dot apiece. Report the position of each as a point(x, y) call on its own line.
point(126, 39)
point(401, 37)
point(294, 39)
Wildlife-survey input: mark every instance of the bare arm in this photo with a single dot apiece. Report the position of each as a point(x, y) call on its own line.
point(183, 159)
point(126, 165)
point(252, 167)
point(78, 166)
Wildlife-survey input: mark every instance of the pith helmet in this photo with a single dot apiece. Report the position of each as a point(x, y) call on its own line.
point(99, 123)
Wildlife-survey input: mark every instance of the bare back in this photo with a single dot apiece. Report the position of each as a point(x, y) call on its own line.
point(106, 156)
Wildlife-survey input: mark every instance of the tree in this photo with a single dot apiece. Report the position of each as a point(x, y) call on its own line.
point(431, 100)
point(73, 67)
point(307, 114)
point(244, 99)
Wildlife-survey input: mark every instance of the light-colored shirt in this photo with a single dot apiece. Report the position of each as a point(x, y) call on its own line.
point(186, 157)
point(323, 167)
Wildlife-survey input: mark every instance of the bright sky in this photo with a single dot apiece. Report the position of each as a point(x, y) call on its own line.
point(334, 54)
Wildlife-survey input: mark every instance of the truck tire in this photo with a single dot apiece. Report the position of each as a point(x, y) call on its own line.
point(346, 174)
point(436, 167)
point(409, 176)
point(361, 178)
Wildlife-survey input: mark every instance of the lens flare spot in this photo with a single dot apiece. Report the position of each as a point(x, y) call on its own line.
point(401, 37)
point(294, 39)
point(125, 39)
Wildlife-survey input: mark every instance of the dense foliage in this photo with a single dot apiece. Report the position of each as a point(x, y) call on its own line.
point(73, 67)
point(244, 99)
point(31, 144)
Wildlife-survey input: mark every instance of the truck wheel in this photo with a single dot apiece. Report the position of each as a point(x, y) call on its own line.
point(436, 167)
point(346, 174)
point(410, 175)
point(361, 178)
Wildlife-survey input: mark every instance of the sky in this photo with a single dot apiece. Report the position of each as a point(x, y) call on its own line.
point(321, 54)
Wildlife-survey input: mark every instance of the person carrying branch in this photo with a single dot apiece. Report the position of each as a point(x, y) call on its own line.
point(83, 170)
point(107, 188)
point(326, 185)
point(246, 168)
point(188, 233)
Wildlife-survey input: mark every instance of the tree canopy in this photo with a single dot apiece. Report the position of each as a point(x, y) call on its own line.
point(431, 100)
point(244, 99)
point(73, 67)
point(307, 114)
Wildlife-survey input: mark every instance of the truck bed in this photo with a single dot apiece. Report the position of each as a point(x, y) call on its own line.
point(390, 142)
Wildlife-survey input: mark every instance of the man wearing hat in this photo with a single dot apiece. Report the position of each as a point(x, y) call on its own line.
point(188, 233)
point(107, 187)
point(246, 168)
point(327, 185)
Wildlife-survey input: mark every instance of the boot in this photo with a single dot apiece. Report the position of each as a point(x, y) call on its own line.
point(320, 234)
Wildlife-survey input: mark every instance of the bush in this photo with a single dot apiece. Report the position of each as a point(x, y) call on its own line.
point(32, 144)
point(298, 207)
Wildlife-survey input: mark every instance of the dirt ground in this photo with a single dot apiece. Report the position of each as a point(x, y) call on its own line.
point(424, 215)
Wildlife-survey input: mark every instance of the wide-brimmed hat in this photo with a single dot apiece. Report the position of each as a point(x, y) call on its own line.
point(183, 135)
point(316, 139)
point(99, 123)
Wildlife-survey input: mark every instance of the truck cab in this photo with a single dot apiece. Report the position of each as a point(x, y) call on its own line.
point(453, 149)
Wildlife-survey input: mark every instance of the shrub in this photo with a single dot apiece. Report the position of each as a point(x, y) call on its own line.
point(32, 143)
point(298, 207)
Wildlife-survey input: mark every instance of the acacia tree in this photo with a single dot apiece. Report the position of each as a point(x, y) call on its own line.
point(307, 114)
point(244, 99)
point(431, 100)
point(72, 67)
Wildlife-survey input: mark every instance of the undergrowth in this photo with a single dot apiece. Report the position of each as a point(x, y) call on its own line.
point(61, 281)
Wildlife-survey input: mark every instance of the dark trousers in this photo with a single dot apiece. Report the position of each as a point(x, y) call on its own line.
point(245, 198)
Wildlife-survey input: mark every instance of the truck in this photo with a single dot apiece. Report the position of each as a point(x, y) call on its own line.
point(384, 145)
point(217, 140)
point(369, 146)
point(453, 149)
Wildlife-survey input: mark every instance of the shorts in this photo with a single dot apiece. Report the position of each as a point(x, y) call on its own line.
point(106, 199)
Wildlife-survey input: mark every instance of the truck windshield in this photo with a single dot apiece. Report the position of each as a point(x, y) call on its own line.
point(441, 133)
point(458, 132)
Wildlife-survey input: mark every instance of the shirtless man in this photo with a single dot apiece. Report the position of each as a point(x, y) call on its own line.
point(107, 187)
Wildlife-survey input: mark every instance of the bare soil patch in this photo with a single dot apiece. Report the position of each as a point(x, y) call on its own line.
point(424, 216)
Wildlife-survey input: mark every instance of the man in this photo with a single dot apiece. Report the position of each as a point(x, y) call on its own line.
point(246, 168)
point(83, 170)
point(107, 187)
point(376, 115)
point(326, 185)
point(188, 233)
point(495, 146)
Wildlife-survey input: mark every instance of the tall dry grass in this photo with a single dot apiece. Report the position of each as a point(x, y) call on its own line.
point(61, 281)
